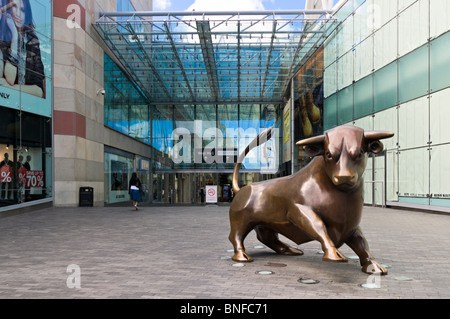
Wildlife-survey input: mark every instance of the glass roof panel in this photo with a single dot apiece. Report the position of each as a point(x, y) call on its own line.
point(214, 57)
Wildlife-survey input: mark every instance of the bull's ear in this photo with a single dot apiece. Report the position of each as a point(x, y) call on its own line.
point(375, 147)
point(373, 143)
point(314, 146)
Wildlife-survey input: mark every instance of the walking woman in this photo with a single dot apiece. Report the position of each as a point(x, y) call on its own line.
point(134, 190)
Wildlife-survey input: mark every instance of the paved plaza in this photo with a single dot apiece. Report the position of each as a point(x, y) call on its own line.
point(183, 252)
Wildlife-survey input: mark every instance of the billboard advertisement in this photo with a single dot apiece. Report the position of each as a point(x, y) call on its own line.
point(308, 107)
point(25, 55)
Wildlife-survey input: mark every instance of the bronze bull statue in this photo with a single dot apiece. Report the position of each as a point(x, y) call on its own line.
point(323, 201)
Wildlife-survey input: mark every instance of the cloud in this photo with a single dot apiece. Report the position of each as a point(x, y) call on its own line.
point(162, 4)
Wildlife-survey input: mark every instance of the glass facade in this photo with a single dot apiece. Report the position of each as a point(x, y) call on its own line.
point(397, 53)
point(380, 68)
point(212, 136)
point(198, 145)
point(186, 141)
point(212, 58)
point(26, 103)
point(199, 91)
point(126, 108)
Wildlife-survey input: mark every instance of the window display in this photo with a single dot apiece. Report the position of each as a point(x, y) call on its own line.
point(25, 153)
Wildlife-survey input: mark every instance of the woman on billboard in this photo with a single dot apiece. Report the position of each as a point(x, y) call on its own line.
point(22, 66)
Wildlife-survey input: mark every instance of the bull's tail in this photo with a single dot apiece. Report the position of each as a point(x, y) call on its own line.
point(262, 138)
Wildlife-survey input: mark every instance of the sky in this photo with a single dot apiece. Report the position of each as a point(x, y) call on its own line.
point(229, 5)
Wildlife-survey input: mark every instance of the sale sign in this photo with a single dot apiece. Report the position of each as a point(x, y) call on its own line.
point(22, 172)
point(6, 174)
point(35, 179)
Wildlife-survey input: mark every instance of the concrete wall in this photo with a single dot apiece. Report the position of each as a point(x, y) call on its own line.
point(79, 132)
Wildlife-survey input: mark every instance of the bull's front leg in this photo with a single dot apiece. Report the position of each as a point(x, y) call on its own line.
point(359, 244)
point(310, 223)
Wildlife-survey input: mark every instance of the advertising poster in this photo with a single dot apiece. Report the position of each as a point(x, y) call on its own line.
point(119, 176)
point(309, 98)
point(287, 132)
point(25, 55)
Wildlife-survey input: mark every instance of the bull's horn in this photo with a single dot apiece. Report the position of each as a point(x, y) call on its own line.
point(378, 135)
point(312, 140)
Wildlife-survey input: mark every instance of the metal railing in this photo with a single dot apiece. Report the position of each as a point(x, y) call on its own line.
point(383, 195)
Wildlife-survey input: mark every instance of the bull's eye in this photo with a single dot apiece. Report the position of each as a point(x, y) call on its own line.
point(328, 155)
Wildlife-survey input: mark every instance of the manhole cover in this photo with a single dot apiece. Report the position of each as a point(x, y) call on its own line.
point(403, 278)
point(308, 281)
point(237, 265)
point(370, 286)
point(264, 272)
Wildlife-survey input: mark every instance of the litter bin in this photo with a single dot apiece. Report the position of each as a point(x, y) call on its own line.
point(86, 197)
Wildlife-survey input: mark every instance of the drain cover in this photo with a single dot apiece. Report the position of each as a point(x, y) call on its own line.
point(264, 272)
point(370, 286)
point(237, 265)
point(308, 281)
point(403, 278)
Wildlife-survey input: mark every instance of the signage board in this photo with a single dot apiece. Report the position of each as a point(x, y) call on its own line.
point(211, 194)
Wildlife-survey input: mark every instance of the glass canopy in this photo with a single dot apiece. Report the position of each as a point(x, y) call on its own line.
point(214, 57)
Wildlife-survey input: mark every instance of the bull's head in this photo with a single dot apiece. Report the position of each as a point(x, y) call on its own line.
point(345, 149)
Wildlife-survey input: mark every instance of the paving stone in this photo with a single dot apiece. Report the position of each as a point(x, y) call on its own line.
point(178, 252)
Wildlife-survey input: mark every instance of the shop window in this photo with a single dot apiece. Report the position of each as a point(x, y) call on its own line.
point(118, 170)
point(25, 158)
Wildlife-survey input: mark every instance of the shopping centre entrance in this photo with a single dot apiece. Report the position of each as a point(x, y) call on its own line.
point(213, 81)
point(190, 188)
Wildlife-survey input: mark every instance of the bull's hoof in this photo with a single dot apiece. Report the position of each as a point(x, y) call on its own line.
point(374, 268)
point(242, 256)
point(334, 256)
point(289, 251)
